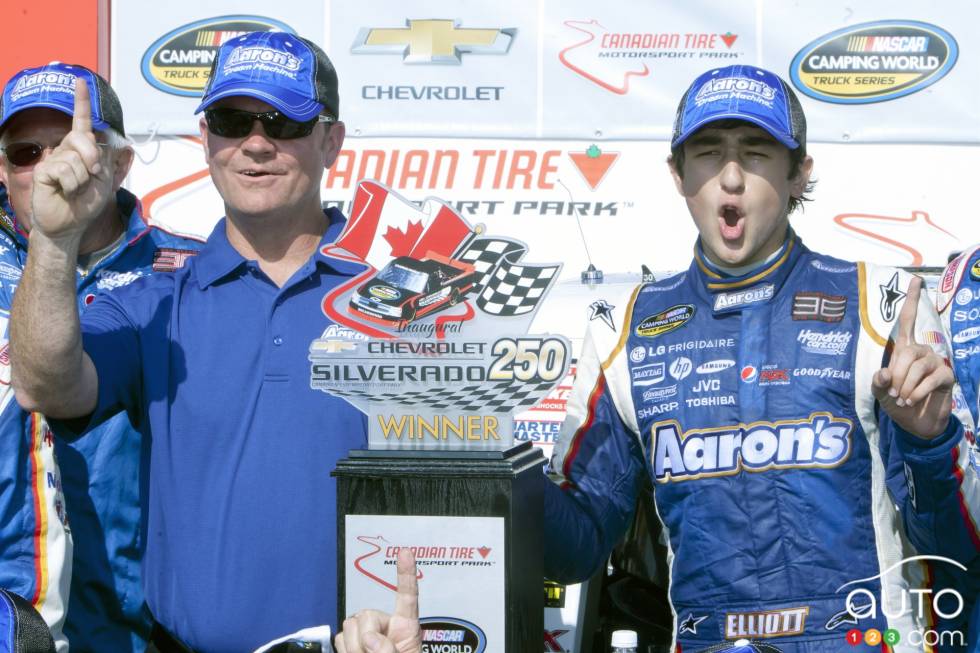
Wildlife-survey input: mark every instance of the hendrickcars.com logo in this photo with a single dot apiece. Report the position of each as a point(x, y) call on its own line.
point(874, 62)
point(179, 61)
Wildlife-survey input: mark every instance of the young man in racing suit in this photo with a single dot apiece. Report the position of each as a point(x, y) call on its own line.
point(958, 302)
point(794, 474)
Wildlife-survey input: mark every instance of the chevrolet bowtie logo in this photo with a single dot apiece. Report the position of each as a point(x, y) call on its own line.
point(432, 41)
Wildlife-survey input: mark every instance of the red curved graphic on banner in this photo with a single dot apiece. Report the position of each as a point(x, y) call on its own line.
point(916, 216)
point(377, 549)
point(444, 319)
point(620, 90)
point(155, 194)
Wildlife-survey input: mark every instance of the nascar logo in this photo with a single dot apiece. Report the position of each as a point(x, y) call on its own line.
point(819, 441)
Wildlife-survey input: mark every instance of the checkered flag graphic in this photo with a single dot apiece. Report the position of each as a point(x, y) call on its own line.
point(502, 397)
point(485, 253)
point(507, 287)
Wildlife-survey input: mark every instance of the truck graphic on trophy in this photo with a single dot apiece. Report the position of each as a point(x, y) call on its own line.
point(409, 288)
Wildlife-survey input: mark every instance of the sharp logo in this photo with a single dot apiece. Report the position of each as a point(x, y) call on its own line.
point(439, 41)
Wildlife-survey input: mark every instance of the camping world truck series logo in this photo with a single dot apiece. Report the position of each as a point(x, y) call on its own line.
point(179, 61)
point(430, 340)
point(874, 62)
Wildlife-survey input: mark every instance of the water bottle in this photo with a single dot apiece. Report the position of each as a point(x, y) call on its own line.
point(624, 641)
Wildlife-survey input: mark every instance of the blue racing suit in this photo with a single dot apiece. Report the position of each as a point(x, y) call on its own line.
point(958, 301)
point(99, 472)
point(787, 497)
point(35, 541)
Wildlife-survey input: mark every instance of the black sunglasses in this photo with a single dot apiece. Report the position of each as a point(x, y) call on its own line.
point(25, 153)
point(235, 123)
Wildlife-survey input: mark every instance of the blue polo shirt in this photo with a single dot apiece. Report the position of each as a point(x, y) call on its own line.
point(211, 363)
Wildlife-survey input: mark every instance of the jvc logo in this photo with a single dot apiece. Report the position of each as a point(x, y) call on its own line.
point(707, 385)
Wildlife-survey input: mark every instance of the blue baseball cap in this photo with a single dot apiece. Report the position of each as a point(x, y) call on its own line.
point(53, 86)
point(287, 71)
point(741, 93)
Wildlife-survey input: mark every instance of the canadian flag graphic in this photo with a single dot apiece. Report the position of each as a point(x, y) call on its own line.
point(383, 226)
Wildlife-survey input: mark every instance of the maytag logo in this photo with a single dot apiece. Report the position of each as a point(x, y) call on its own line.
point(874, 62)
point(179, 61)
point(726, 300)
point(666, 321)
point(651, 374)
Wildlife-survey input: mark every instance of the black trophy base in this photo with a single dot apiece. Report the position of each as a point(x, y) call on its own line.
point(507, 484)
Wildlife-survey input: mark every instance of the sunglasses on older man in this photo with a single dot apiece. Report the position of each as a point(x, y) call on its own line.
point(25, 153)
point(236, 123)
point(28, 153)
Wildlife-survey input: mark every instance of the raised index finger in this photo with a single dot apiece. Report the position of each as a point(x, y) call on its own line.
point(407, 598)
point(906, 318)
point(81, 120)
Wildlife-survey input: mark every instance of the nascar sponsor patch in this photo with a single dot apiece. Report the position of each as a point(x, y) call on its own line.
point(770, 623)
point(169, 259)
point(644, 375)
point(738, 298)
point(830, 343)
point(818, 306)
point(712, 367)
point(665, 321)
point(820, 441)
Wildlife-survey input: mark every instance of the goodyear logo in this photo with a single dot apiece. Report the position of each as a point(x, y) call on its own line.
point(874, 62)
point(179, 62)
point(666, 321)
point(450, 635)
point(384, 292)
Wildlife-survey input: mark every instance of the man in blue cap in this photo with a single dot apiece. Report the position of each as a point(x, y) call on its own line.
point(211, 362)
point(95, 499)
point(792, 410)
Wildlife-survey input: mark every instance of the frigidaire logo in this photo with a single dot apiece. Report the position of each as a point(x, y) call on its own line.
point(874, 62)
point(180, 60)
point(449, 635)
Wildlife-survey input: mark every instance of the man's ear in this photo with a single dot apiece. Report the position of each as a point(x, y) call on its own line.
point(124, 161)
point(203, 126)
point(676, 175)
point(335, 141)
point(799, 181)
